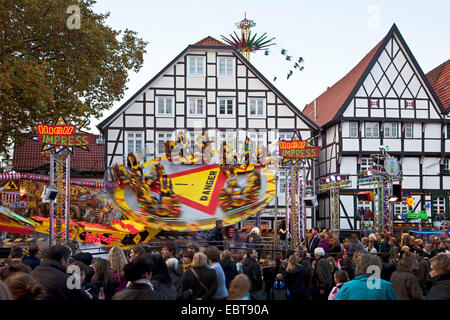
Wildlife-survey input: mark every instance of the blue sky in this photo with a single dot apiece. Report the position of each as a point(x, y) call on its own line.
point(331, 36)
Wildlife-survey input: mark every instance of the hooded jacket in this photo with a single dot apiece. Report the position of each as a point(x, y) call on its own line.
point(406, 285)
point(52, 276)
point(295, 281)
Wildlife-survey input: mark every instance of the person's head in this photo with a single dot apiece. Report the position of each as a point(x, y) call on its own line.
point(371, 244)
point(11, 268)
point(193, 246)
point(334, 242)
point(364, 261)
point(279, 277)
point(85, 257)
point(418, 252)
point(226, 255)
point(102, 271)
point(301, 254)
point(239, 287)
point(439, 264)
point(24, 287)
point(137, 252)
point(33, 249)
point(252, 253)
point(341, 276)
point(213, 254)
point(160, 271)
point(255, 230)
point(319, 252)
point(406, 263)
point(314, 231)
point(5, 294)
point(321, 236)
point(139, 268)
point(219, 224)
point(117, 259)
point(58, 253)
point(365, 241)
point(405, 249)
point(292, 263)
point(188, 256)
point(172, 265)
point(83, 269)
point(199, 260)
point(372, 237)
point(331, 262)
point(354, 238)
point(168, 250)
point(385, 257)
point(441, 245)
point(16, 253)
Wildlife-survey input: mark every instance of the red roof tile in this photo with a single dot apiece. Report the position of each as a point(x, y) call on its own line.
point(330, 102)
point(28, 157)
point(210, 41)
point(439, 79)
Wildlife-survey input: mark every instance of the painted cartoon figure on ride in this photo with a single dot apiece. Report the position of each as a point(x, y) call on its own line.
point(133, 164)
point(168, 202)
point(183, 141)
point(226, 154)
point(235, 195)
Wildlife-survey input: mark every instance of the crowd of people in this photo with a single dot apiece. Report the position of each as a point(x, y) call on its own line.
point(378, 267)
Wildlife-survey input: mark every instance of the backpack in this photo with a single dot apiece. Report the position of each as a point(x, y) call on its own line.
point(279, 291)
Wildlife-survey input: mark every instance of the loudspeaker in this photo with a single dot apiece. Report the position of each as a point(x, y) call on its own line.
point(48, 194)
point(311, 201)
point(397, 192)
point(365, 196)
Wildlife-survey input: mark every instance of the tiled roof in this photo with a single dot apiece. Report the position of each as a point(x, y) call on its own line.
point(439, 79)
point(330, 102)
point(28, 157)
point(210, 41)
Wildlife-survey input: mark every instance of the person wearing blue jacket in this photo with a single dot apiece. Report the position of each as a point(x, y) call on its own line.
point(364, 288)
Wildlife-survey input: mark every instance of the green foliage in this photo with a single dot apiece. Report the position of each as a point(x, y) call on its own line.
point(47, 69)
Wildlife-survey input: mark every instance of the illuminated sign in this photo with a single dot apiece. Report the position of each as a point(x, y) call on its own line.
point(61, 136)
point(297, 149)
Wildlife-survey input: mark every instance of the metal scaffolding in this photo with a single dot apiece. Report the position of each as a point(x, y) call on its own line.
point(60, 207)
point(295, 204)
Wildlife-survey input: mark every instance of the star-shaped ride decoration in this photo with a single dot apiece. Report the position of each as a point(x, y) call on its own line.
point(299, 151)
point(61, 136)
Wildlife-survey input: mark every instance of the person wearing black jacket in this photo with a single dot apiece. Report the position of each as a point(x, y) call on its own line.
point(51, 274)
point(295, 279)
point(269, 275)
point(439, 284)
point(200, 280)
point(315, 240)
point(228, 266)
point(252, 270)
point(215, 236)
point(253, 240)
point(388, 268)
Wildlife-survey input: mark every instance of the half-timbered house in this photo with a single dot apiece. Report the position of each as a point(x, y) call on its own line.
point(385, 100)
point(209, 85)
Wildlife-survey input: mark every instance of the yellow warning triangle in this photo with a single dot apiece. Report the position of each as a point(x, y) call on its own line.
point(10, 185)
point(197, 186)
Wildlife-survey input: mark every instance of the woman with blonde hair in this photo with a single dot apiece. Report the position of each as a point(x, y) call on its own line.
point(239, 288)
point(295, 279)
point(200, 280)
point(118, 260)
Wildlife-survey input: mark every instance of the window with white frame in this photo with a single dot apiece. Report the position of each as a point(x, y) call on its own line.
point(400, 208)
point(446, 166)
point(256, 107)
point(164, 107)
point(366, 164)
point(372, 130)
point(438, 205)
point(135, 142)
point(365, 205)
point(196, 107)
point(390, 130)
point(196, 66)
point(161, 137)
point(225, 66)
point(354, 126)
point(409, 130)
point(226, 107)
